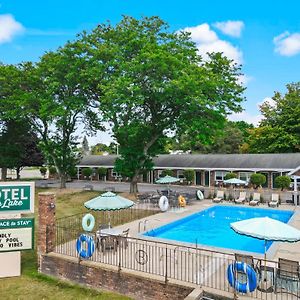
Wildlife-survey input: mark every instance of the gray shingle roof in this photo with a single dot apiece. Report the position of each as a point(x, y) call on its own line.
point(282, 161)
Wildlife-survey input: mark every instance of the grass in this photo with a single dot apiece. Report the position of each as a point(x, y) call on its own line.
point(36, 286)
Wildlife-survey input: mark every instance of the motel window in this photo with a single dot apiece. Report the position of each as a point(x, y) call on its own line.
point(180, 174)
point(245, 176)
point(219, 175)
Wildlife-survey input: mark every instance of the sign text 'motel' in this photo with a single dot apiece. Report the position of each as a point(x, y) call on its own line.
point(17, 197)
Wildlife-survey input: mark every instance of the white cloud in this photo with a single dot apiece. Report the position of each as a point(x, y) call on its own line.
point(247, 117)
point(245, 79)
point(208, 41)
point(202, 34)
point(9, 27)
point(268, 100)
point(287, 44)
point(232, 28)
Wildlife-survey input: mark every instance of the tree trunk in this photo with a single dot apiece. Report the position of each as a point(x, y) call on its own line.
point(133, 185)
point(18, 173)
point(63, 180)
point(4, 173)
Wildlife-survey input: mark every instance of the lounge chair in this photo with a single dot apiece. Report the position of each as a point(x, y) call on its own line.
point(219, 198)
point(248, 259)
point(256, 199)
point(274, 200)
point(241, 199)
point(287, 276)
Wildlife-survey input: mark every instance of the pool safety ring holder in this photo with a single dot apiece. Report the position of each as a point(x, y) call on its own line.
point(85, 252)
point(243, 287)
point(200, 195)
point(181, 201)
point(88, 222)
point(163, 203)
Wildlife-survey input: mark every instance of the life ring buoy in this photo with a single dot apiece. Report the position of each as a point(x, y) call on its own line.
point(163, 203)
point(243, 287)
point(181, 201)
point(88, 222)
point(87, 251)
point(200, 195)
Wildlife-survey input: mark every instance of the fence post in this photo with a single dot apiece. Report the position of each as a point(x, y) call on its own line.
point(120, 254)
point(166, 273)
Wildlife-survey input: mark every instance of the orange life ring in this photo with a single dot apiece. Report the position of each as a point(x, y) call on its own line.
point(181, 201)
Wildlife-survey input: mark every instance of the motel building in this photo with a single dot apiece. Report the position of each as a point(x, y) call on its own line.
point(210, 169)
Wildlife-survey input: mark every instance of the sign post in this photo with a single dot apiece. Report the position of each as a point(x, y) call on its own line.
point(16, 233)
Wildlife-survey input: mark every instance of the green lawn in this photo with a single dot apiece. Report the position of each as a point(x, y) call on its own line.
point(32, 285)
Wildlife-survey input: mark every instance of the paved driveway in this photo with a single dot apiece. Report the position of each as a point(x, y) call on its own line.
point(119, 186)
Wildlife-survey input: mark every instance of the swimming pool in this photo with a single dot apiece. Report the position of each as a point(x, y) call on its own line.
point(211, 227)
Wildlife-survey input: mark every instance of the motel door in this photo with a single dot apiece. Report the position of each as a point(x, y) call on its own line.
point(206, 175)
point(198, 178)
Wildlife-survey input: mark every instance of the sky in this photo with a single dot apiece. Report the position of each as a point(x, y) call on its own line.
point(262, 36)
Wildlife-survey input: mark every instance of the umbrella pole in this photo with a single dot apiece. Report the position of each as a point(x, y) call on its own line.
point(265, 269)
point(109, 225)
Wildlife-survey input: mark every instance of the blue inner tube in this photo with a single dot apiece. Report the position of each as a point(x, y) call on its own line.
point(87, 251)
point(242, 287)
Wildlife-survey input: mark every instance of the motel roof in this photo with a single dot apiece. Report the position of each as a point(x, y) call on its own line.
point(278, 161)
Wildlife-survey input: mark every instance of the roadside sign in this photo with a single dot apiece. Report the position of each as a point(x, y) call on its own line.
point(16, 234)
point(16, 197)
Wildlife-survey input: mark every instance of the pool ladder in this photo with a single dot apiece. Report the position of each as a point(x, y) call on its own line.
point(143, 222)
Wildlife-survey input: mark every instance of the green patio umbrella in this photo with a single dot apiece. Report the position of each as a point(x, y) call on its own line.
point(267, 229)
point(167, 179)
point(108, 202)
point(234, 181)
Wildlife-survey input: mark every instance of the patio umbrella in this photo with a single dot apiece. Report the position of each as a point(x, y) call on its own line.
point(108, 202)
point(167, 180)
point(234, 181)
point(267, 229)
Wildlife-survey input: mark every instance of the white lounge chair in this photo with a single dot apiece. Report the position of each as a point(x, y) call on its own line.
point(274, 200)
point(256, 199)
point(219, 198)
point(241, 199)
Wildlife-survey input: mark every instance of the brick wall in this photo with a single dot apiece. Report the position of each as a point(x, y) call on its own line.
point(92, 275)
point(46, 216)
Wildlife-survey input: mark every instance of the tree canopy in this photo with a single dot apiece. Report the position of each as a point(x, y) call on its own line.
point(58, 99)
point(279, 130)
point(152, 81)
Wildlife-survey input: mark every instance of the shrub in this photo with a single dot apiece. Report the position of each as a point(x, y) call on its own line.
point(167, 172)
point(189, 175)
point(257, 179)
point(52, 170)
point(87, 172)
point(102, 172)
point(72, 172)
point(283, 182)
point(43, 171)
point(230, 175)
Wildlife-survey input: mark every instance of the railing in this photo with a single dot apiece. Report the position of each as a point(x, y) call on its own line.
point(116, 218)
point(188, 264)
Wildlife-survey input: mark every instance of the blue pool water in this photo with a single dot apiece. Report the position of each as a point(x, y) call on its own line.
point(211, 227)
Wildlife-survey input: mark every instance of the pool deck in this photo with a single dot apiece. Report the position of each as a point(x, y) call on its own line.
point(278, 249)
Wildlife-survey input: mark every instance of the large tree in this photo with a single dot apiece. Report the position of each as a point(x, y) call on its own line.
point(58, 99)
point(279, 130)
point(153, 82)
point(19, 146)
